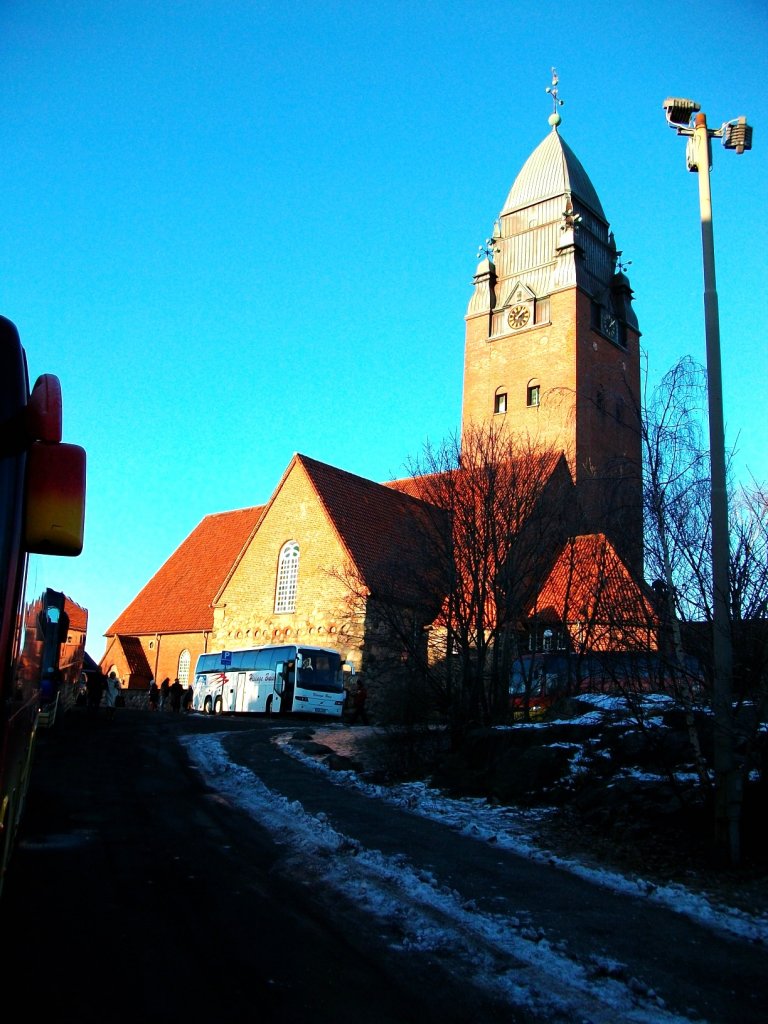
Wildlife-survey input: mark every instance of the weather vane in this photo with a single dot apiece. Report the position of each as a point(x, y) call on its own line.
point(554, 117)
point(621, 265)
point(489, 246)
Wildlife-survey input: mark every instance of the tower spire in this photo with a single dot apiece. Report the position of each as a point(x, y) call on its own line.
point(554, 117)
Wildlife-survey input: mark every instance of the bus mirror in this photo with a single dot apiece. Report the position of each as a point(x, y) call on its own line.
point(54, 512)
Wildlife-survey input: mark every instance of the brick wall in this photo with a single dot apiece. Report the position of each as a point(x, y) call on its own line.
point(588, 388)
point(544, 355)
point(245, 615)
point(162, 654)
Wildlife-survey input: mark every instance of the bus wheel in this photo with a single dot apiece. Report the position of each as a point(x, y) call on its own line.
point(207, 706)
point(217, 706)
point(268, 708)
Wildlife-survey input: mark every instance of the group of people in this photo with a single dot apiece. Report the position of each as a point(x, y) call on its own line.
point(169, 694)
point(107, 689)
point(177, 697)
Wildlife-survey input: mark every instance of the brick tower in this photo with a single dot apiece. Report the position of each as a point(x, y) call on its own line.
point(552, 341)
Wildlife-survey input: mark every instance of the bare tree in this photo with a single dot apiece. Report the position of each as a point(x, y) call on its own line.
point(679, 559)
point(748, 577)
point(495, 510)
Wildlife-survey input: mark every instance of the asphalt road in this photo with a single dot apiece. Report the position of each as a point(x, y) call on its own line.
point(139, 893)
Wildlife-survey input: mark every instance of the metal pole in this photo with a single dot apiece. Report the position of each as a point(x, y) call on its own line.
point(727, 781)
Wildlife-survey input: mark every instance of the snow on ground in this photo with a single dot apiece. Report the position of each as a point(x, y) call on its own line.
point(509, 827)
point(498, 953)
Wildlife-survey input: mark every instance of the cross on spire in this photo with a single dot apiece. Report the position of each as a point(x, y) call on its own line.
point(554, 117)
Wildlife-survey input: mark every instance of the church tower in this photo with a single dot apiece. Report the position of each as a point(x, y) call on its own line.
point(552, 340)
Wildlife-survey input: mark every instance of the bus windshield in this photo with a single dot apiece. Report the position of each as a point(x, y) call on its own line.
point(319, 670)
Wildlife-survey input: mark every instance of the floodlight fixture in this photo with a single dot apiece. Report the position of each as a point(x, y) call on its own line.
point(737, 134)
point(679, 111)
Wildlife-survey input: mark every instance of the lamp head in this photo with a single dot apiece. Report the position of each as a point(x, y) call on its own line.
point(679, 111)
point(737, 135)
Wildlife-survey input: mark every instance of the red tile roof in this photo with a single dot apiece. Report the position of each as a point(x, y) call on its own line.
point(135, 657)
point(178, 597)
point(382, 528)
point(590, 580)
point(430, 486)
point(416, 486)
point(78, 616)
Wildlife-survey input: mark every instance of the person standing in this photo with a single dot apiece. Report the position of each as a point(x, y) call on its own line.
point(154, 695)
point(359, 698)
point(176, 691)
point(112, 693)
point(164, 688)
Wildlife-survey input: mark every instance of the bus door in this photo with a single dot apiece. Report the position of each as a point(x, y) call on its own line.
point(285, 683)
point(229, 692)
point(239, 697)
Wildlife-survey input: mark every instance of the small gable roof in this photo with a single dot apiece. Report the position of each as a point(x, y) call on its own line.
point(134, 655)
point(589, 579)
point(178, 597)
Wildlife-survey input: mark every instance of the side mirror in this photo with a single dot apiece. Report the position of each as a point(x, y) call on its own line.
point(54, 499)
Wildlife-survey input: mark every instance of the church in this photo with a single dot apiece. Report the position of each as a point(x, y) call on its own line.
point(551, 353)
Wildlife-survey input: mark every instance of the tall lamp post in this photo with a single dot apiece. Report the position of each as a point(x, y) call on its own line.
point(683, 115)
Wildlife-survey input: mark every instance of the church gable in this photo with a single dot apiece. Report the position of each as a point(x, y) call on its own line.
point(297, 542)
point(324, 535)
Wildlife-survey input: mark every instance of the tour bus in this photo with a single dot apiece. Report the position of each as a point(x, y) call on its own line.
point(270, 680)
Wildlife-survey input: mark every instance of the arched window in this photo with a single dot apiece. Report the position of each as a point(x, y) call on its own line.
point(183, 673)
point(287, 577)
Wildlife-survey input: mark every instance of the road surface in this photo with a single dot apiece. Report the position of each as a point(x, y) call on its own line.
point(141, 891)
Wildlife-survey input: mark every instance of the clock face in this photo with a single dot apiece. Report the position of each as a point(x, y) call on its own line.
point(518, 316)
point(609, 325)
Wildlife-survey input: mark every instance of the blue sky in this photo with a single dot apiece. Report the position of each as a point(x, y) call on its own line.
point(236, 231)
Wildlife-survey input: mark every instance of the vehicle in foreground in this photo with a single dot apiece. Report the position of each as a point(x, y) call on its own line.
point(42, 512)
